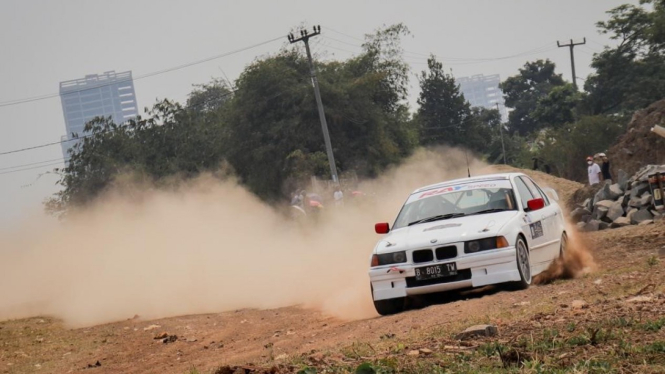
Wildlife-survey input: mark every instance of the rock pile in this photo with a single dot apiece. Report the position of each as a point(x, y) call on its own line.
point(627, 202)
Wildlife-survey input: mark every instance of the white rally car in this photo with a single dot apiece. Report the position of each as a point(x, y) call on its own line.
point(466, 233)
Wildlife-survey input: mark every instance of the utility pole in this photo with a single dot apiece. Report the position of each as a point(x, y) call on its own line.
point(572, 57)
point(304, 37)
point(503, 148)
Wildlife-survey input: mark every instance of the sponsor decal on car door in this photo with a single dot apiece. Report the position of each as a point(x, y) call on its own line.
point(533, 226)
point(550, 220)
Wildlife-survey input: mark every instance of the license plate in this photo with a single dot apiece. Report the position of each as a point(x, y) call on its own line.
point(436, 271)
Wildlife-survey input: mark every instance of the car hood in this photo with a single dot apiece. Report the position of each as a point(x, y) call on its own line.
point(445, 231)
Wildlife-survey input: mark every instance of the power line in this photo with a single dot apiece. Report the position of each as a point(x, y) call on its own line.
point(455, 60)
point(31, 168)
point(34, 163)
point(44, 145)
point(152, 74)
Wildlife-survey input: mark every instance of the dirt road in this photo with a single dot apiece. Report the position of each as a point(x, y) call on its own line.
point(611, 319)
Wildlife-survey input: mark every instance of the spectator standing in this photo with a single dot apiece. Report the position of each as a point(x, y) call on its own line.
point(594, 171)
point(605, 169)
point(338, 195)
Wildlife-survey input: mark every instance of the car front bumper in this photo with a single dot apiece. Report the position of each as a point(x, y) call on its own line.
point(475, 270)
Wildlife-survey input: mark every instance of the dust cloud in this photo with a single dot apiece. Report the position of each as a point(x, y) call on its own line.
point(576, 261)
point(204, 246)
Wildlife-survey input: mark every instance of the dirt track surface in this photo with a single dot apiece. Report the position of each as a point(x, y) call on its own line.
point(291, 338)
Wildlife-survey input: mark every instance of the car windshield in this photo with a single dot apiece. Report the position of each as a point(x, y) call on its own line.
point(456, 201)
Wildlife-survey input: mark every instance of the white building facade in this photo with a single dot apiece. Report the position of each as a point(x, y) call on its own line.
point(97, 95)
point(483, 91)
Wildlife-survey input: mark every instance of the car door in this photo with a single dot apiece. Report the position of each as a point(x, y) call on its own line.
point(532, 225)
point(550, 219)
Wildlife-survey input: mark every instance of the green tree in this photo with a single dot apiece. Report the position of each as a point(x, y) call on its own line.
point(631, 75)
point(443, 114)
point(523, 91)
point(559, 107)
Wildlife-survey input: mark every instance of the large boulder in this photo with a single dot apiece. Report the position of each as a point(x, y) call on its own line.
point(622, 180)
point(641, 215)
point(592, 225)
point(602, 194)
point(638, 189)
point(604, 203)
point(646, 200)
point(614, 191)
point(620, 222)
point(577, 214)
point(615, 211)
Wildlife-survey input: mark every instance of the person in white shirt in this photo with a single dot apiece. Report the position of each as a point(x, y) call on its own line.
point(594, 171)
point(338, 195)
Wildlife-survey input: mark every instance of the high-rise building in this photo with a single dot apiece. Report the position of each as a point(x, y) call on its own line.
point(108, 94)
point(483, 91)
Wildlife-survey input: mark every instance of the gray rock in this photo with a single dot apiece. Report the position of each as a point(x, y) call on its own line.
point(625, 200)
point(477, 330)
point(604, 203)
point(577, 214)
point(630, 212)
point(622, 178)
point(643, 174)
point(586, 218)
point(615, 191)
point(600, 212)
point(645, 222)
point(600, 196)
point(603, 226)
point(591, 226)
point(580, 225)
point(646, 200)
point(620, 222)
point(641, 215)
point(615, 211)
point(634, 202)
point(638, 189)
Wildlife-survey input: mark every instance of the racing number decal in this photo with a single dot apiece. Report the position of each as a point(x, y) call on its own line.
point(536, 230)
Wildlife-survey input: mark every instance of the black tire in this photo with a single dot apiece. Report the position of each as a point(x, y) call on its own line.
point(389, 306)
point(564, 246)
point(523, 265)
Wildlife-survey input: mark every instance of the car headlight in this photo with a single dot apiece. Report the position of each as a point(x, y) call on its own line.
point(389, 258)
point(485, 244)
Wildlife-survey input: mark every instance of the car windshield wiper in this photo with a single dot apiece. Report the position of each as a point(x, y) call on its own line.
point(438, 218)
point(488, 211)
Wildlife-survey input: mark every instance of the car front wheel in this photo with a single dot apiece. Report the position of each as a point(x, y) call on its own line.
point(523, 264)
point(389, 306)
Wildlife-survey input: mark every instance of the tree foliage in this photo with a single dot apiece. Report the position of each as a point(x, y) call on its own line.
point(631, 75)
point(267, 128)
point(523, 91)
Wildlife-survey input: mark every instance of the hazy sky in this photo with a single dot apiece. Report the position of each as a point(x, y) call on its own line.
point(45, 42)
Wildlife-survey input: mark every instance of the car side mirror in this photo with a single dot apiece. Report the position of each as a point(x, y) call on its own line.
point(382, 228)
point(535, 204)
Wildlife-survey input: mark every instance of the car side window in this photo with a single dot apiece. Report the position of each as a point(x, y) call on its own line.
point(525, 194)
point(535, 191)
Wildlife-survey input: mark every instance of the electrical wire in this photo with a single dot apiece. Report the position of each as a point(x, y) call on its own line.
point(31, 168)
point(542, 48)
point(34, 163)
point(151, 74)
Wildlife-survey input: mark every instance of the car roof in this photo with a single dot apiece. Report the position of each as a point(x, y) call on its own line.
point(480, 178)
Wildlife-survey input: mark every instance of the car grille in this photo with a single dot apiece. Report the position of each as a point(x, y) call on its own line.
point(423, 255)
point(444, 253)
point(463, 274)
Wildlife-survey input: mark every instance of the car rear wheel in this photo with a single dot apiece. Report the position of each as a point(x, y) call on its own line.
point(523, 265)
